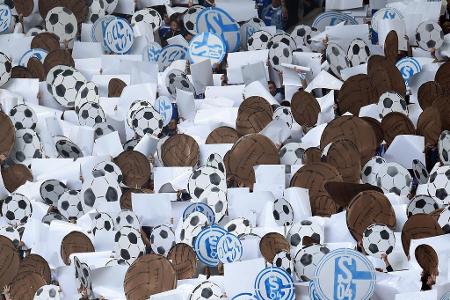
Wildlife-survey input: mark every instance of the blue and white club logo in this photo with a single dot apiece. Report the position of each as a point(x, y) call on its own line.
point(200, 207)
point(118, 36)
point(344, 274)
point(206, 245)
point(5, 18)
point(408, 67)
point(206, 46)
point(274, 284)
point(245, 296)
point(229, 248)
point(38, 53)
point(312, 291)
point(169, 54)
point(219, 22)
point(331, 18)
point(151, 52)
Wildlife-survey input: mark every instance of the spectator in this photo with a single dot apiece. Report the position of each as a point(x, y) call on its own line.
point(174, 30)
point(274, 92)
point(261, 5)
point(165, 26)
point(273, 16)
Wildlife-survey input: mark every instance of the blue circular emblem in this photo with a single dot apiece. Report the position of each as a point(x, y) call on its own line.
point(99, 27)
point(163, 105)
point(274, 284)
point(6, 18)
point(200, 207)
point(151, 52)
point(229, 248)
point(408, 67)
point(331, 18)
point(205, 245)
point(312, 291)
point(207, 45)
point(244, 296)
point(36, 53)
point(118, 36)
point(169, 54)
point(344, 274)
point(219, 22)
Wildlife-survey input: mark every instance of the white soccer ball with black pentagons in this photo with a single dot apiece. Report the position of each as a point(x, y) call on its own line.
point(391, 102)
point(438, 185)
point(444, 147)
point(51, 190)
point(99, 191)
point(259, 40)
point(284, 114)
point(34, 31)
point(12, 234)
point(50, 217)
point(117, 262)
point(216, 198)
point(102, 129)
point(282, 212)
point(23, 116)
point(134, 107)
point(205, 178)
point(5, 68)
point(127, 218)
point(190, 18)
point(147, 120)
point(87, 93)
point(16, 208)
point(96, 10)
point(421, 204)
point(62, 22)
point(27, 146)
point(444, 219)
point(52, 73)
point(66, 86)
point(207, 290)
point(128, 244)
point(306, 260)
point(300, 33)
point(305, 228)
point(176, 79)
point(238, 226)
point(110, 5)
point(371, 169)
point(358, 52)
point(47, 292)
point(67, 149)
point(102, 222)
point(91, 114)
point(130, 144)
point(336, 58)
point(420, 171)
point(394, 178)
point(378, 240)
point(162, 239)
point(279, 53)
point(147, 16)
point(283, 260)
point(429, 35)
point(283, 38)
point(191, 227)
point(215, 161)
point(69, 205)
point(292, 154)
point(109, 169)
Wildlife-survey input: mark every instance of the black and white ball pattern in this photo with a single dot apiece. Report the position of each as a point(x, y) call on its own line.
point(127, 218)
point(207, 290)
point(99, 191)
point(307, 259)
point(299, 34)
point(420, 171)
point(191, 227)
point(429, 35)
point(371, 169)
point(444, 219)
point(67, 149)
point(283, 260)
point(148, 16)
point(337, 59)
point(279, 53)
point(205, 178)
point(391, 102)
point(5, 68)
point(283, 212)
point(27, 146)
point(216, 198)
point(34, 31)
point(358, 52)
point(147, 120)
point(238, 226)
point(102, 222)
point(292, 154)
point(91, 114)
point(16, 209)
point(259, 40)
point(110, 5)
point(66, 86)
point(47, 292)
point(444, 147)
point(128, 244)
point(134, 107)
point(438, 185)
point(303, 229)
point(69, 205)
point(421, 204)
point(23, 117)
point(176, 79)
point(87, 93)
point(52, 73)
point(378, 240)
point(51, 190)
point(108, 169)
point(96, 10)
point(284, 114)
point(162, 239)
point(215, 161)
point(130, 144)
point(62, 22)
point(394, 178)
point(102, 129)
point(283, 38)
point(50, 217)
point(12, 234)
point(190, 18)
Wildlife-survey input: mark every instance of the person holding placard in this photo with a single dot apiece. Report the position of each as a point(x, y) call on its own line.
point(273, 15)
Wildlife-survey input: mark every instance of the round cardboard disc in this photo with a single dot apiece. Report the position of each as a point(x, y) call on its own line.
point(79, 8)
point(20, 72)
point(25, 285)
point(115, 87)
point(427, 258)
point(427, 93)
point(385, 76)
point(46, 5)
point(312, 155)
point(148, 275)
point(9, 261)
point(394, 124)
point(45, 40)
point(376, 126)
point(356, 92)
point(391, 46)
point(24, 7)
point(305, 109)
point(442, 76)
point(419, 226)
point(58, 57)
point(345, 157)
point(223, 135)
point(272, 243)
point(7, 136)
point(36, 263)
point(36, 68)
point(343, 192)
point(184, 261)
point(15, 176)
point(180, 150)
point(135, 168)
point(366, 208)
point(75, 242)
point(253, 115)
point(429, 125)
point(442, 103)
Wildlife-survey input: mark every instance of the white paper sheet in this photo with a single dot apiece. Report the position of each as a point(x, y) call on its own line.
point(202, 75)
point(152, 209)
point(405, 148)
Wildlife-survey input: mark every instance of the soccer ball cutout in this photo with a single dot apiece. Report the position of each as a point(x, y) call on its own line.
point(444, 147)
point(12, 234)
point(110, 5)
point(102, 129)
point(108, 169)
point(51, 190)
point(34, 31)
point(66, 86)
point(16, 209)
point(102, 222)
point(429, 36)
point(69, 205)
point(238, 226)
point(175, 79)
point(337, 59)
point(205, 178)
point(438, 185)
point(91, 114)
point(98, 191)
point(128, 244)
point(284, 114)
point(259, 40)
point(292, 154)
point(50, 217)
point(300, 33)
point(444, 219)
point(87, 93)
point(67, 149)
point(207, 290)
point(162, 239)
point(53, 72)
point(47, 292)
point(127, 218)
point(283, 212)
point(391, 102)
point(421, 204)
point(23, 117)
point(5, 68)
point(420, 171)
point(147, 120)
point(307, 259)
point(371, 169)
point(27, 146)
point(283, 38)
point(217, 200)
point(279, 53)
point(190, 18)
point(134, 107)
point(191, 227)
point(303, 229)
point(358, 52)
point(62, 22)
point(215, 161)
point(378, 240)
point(394, 178)
point(148, 16)
point(130, 144)
point(284, 261)
point(96, 10)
